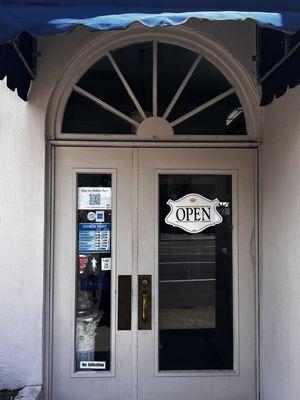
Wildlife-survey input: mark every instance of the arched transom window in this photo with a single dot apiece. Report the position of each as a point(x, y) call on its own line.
point(156, 86)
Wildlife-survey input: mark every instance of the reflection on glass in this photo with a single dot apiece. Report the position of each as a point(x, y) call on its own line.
point(226, 117)
point(195, 280)
point(93, 272)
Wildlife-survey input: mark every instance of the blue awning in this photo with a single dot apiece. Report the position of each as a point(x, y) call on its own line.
point(278, 63)
point(21, 21)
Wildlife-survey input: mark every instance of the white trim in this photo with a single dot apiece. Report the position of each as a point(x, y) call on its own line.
point(49, 232)
point(180, 36)
point(48, 270)
point(258, 278)
point(126, 85)
point(104, 105)
point(154, 78)
point(182, 86)
point(135, 272)
point(187, 280)
point(203, 106)
point(154, 144)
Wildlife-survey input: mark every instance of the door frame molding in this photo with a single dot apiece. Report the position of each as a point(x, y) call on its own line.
point(49, 241)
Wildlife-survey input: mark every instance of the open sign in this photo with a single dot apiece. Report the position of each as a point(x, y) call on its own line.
point(193, 213)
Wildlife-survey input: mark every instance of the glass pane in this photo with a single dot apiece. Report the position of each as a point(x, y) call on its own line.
point(84, 116)
point(93, 273)
point(174, 62)
point(195, 275)
point(103, 82)
point(226, 117)
point(206, 83)
point(135, 62)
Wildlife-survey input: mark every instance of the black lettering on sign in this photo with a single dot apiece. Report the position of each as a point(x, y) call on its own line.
point(205, 213)
point(193, 214)
point(180, 214)
point(197, 214)
point(189, 213)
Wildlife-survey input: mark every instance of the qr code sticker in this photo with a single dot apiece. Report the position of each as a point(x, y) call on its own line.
point(94, 199)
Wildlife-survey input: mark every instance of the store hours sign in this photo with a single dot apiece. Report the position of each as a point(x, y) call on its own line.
point(193, 213)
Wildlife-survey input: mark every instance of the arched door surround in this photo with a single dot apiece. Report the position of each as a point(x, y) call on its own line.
point(169, 84)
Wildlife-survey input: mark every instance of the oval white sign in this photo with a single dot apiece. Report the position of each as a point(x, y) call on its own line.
point(193, 213)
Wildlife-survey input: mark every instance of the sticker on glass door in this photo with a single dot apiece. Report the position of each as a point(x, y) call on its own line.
point(193, 213)
point(93, 273)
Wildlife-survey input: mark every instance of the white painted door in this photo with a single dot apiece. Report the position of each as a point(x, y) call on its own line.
point(85, 366)
point(202, 342)
point(190, 330)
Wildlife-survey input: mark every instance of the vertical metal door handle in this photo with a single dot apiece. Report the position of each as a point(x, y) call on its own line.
point(145, 306)
point(144, 302)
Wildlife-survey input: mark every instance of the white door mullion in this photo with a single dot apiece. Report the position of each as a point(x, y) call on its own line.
point(182, 86)
point(154, 79)
point(203, 106)
point(126, 85)
point(104, 105)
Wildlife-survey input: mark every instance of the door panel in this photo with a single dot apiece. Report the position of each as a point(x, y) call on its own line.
point(90, 356)
point(202, 345)
point(183, 326)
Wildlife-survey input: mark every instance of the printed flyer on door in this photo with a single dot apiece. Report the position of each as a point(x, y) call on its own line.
point(94, 238)
point(94, 198)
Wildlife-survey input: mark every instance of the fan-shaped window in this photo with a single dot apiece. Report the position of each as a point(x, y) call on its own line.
point(149, 79)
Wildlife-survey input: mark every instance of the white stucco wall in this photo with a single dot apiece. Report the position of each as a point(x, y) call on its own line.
point(21, 240)
point(280, 249)
point(22, 169)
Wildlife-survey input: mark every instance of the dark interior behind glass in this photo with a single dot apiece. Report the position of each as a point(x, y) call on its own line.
point(93, 277)
point(195, 281)
point(135, 62)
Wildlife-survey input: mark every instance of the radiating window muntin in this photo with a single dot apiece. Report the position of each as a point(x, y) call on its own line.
point(137, 81)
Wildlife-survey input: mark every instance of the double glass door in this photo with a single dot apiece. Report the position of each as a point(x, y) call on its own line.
point(154, 282)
